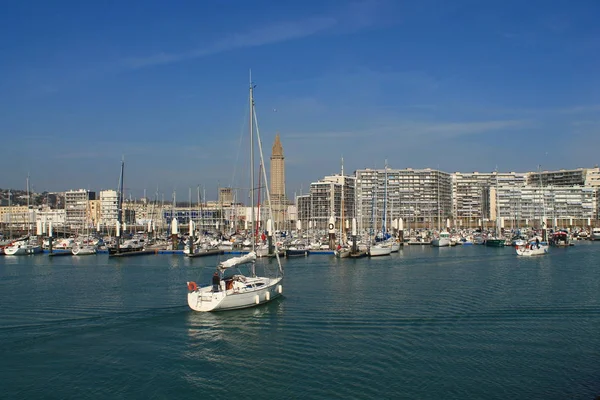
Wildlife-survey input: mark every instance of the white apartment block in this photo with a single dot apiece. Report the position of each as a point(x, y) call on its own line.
point(109, 207)
point(76, 208)
point(419, 196)
point(325, 201)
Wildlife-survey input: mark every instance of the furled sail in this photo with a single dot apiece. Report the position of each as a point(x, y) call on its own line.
point(232, 262)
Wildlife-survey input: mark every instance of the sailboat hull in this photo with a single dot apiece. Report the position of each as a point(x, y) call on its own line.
point(205, 300)
point(380, 251)
point(533, 251)
point(343, 253)
point(495, 242)
point(83, 251)
point(297, 253)
point(22, 250)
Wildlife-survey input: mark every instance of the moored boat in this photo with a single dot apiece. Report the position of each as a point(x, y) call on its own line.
point(380, 250)
point(297, 252)
point(560, 239)
point(84, 250)
point(493, 242)
point(443, 240)
point(342, 252)
point(21, 248)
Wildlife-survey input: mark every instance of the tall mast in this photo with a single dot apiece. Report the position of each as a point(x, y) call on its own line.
point(385, 195)
point(120, 194)
point(497, 207)
point(342, 227)
point(252, 156)
point(9, 214)
point(28, 218)
point(438, 201)
point(542, 196)
point(199, 217)
point(258, 210)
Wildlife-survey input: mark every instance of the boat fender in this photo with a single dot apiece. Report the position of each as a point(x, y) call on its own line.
point(256, 299)
point(268, 296)
point(279, 289)
point(192, 287)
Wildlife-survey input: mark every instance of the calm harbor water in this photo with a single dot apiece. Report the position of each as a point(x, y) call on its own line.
point(427, 323)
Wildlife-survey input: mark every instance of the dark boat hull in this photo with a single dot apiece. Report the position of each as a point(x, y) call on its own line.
point(297, 253)
point(113, 250)
point(494, 243)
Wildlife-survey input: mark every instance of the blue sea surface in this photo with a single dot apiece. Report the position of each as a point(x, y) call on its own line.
point(468, 322)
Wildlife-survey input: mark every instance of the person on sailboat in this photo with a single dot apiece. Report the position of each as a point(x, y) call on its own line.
point(537, 242)
point(216, 281)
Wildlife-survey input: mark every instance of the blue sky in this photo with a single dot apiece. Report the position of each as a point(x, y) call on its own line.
point(462, 85)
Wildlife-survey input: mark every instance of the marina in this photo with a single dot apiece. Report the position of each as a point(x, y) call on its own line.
point(329, 200)
point(468, 321)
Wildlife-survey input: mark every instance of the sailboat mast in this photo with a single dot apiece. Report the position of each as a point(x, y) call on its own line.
point(28, 218)
point(258, 210)
point(385, 183)
point(498, 223)
point(199, 217)
point(251, 121)
point(342, 227)
point(438, 201)
point(120, 205)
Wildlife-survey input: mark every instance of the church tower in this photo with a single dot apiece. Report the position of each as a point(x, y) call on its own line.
point(278, 198)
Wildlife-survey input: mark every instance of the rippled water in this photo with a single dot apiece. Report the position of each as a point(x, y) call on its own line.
point(451, 323)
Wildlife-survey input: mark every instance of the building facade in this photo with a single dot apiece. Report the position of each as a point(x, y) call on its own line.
point(474, 204)
point(421, 197)
point(324, 201)
point(76, 208)
point(277, 184)
point(109, 208)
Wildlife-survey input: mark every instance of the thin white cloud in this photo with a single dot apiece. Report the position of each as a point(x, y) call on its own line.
point(355, 16)
point(322, 135)
point(580, 109)
point(455, 129)
point(417, 130)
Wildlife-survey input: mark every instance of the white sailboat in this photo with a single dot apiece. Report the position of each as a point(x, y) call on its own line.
point(532, 249)
point(22, 247)
point(28, 245)
point(84, 248)
point(231, 288)
point(382, 248)
point(443, 238)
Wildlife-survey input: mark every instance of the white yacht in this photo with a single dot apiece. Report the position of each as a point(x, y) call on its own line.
point(443, 240)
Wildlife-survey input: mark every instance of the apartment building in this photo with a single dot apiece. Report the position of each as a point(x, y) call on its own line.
point(421, 197)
